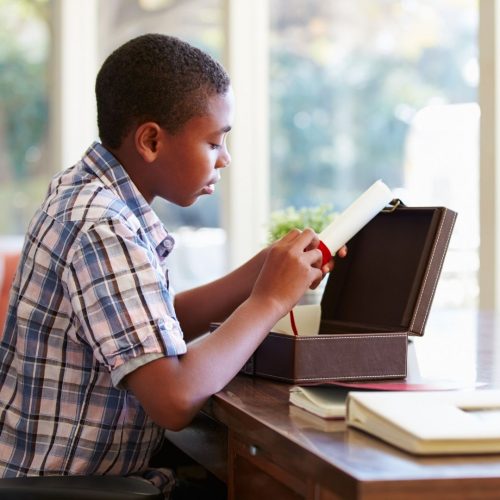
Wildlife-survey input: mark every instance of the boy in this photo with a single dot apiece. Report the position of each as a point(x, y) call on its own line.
point(94, 361)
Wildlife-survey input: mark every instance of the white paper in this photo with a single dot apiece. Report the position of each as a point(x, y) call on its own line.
point(355, 216)
point(307, 319)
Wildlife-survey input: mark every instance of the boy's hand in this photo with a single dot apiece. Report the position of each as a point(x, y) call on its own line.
point(328, 267)
point(292, 265)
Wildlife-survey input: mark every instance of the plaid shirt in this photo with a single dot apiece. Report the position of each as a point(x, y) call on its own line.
point(90, 302)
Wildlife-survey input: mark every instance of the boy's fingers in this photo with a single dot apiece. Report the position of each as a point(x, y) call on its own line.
point(291, 235)
point(342, 252)
point(314, 258)
point(308, 238)
point(317, 277)
point(328, 267)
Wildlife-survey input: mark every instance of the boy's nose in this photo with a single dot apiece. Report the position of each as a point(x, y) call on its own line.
point(224, 160)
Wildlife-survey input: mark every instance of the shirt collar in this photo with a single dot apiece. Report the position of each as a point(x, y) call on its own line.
point(112, 174)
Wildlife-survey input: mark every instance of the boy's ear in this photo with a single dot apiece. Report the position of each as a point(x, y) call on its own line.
point(147, 138)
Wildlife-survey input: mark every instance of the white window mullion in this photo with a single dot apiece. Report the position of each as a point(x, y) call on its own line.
point(489, 90)
point(73, 112)
point(246, 181)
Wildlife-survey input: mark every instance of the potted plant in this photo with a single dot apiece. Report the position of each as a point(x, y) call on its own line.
point(282, 221)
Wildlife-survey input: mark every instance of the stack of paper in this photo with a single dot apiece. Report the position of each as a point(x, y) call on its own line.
point(326, 402)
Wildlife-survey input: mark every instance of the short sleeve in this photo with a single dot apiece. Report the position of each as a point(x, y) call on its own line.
point(120, 296)
point(118, 374)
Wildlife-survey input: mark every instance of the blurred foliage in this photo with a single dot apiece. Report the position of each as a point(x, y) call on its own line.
point(24, 108)
point(345, 80)
point(344, 87)
point(23, 81)
point(19, 200)
point(283, 221)
point(25, 63)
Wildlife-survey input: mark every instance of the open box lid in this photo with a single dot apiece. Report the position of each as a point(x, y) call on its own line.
point(391, 270)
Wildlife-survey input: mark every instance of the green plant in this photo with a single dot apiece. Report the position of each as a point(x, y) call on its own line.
point(282, 221)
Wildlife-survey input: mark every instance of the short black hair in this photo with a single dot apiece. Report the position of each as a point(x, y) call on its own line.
point(154, 78)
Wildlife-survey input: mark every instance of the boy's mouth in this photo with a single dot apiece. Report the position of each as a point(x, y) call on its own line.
point(209, 189)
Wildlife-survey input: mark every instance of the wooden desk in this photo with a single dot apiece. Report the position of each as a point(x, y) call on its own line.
point(249, 436)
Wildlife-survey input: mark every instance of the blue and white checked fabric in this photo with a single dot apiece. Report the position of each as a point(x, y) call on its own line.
point(90, 297)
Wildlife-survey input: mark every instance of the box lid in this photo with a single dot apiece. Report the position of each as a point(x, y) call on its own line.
point(390, 274)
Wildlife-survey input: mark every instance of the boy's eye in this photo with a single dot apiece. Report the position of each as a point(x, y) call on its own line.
point(215, 146)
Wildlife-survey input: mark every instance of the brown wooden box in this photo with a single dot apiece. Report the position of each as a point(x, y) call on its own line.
point(374, 298)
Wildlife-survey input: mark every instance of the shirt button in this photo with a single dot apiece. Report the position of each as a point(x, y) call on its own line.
point(168, 243)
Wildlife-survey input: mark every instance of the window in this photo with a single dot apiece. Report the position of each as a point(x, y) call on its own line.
point(363, 90)
point(357, 91)
point(199, 23)
point(197, 229)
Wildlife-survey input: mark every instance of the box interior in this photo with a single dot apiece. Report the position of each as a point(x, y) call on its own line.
point(376, 286)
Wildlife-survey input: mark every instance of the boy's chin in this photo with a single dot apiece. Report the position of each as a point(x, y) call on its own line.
point(181, 202)
point(186, 203)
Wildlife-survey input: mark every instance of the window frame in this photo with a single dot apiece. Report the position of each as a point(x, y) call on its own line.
point(74, 64)
point(245, 199)
point(489, 153)
point(245, 196)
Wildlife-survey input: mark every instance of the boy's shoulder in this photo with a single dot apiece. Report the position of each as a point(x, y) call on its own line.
point(78, 196)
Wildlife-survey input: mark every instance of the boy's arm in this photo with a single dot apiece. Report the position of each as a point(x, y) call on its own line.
point(197, 308)
point(215, 301)
point(173, 389)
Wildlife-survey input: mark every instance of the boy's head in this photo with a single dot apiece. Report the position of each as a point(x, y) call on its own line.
point(155, 78)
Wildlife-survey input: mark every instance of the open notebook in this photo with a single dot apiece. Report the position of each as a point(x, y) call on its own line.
point(460, 422)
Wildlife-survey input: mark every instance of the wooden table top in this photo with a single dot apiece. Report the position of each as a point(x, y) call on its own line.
point(462, 347)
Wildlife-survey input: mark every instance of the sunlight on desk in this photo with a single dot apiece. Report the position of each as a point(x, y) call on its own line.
point(444, 352)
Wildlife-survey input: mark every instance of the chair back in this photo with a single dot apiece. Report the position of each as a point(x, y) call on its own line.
point(8, 266)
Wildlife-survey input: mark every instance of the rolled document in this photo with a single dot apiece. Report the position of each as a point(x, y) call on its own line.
point(353, 218)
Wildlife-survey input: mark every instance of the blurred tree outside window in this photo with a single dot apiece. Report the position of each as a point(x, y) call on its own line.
point(199, 22)
point(197, 229)
point(25, 164)
point(363, 90)
point(27, 62)
point(359, 90)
